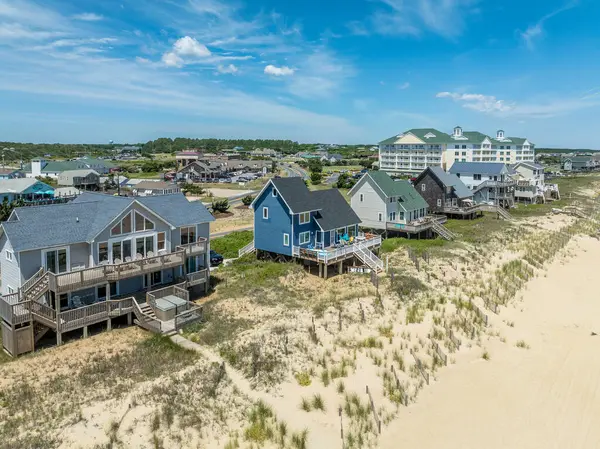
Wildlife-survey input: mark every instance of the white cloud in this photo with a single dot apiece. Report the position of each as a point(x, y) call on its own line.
point(279, 71)
point(188, 46)
point(478, 102)
point(443, 17)
point(18, 32)
point(228, 69)
point(170, 59)
point(321, 74)
point(535, 31)
point(185, 50)
point(88, 17)
point(404, 86)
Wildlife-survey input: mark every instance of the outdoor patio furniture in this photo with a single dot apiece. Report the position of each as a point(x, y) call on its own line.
point(128, 259)
point(76, 302)
point(117, 261)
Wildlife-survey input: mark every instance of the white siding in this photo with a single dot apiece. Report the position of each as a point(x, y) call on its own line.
point(371, 205)
point(9, 268)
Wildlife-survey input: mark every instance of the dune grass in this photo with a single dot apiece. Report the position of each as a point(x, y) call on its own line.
point(419, 246)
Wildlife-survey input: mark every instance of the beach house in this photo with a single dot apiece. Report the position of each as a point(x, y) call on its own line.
point(100, 257)
point(292, 222)
point(490, 182)
point(388, 205)
point(445, 193)
point(26, 189)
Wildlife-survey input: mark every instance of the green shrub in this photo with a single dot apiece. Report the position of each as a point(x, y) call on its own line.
point(303, 379)
point(220, 205)
point(247, 200)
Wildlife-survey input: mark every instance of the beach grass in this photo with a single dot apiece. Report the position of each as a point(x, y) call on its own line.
point(229, 245)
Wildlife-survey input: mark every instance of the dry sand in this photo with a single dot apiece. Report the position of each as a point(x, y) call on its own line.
point(547, 396)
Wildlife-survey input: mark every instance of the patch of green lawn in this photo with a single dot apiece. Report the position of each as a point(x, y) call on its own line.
point(229, 245)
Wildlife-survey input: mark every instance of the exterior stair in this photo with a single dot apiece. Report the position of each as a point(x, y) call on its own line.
point(443, 231)
point(147, 310)
point(249, 248)
point(39, 330)
point(369, 258)
point(504, 213)
point(37, 289)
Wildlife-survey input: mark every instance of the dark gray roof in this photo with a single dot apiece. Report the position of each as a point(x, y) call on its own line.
point(485, 168)
point(451, 180)
point(89, 214)
point(334, 212)
point(295, 194)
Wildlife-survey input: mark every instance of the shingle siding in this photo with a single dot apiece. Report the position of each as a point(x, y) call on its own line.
point(433, 192)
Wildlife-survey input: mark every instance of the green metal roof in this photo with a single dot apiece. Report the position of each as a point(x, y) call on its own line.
point(440, 137)
point(411, 199)
point(472, 137)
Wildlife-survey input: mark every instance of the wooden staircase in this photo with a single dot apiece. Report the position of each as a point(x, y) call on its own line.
point(39, 330)
point(249, 248)
point(369, 258)
point(147, 310)
point(37, 289)
point(504, 213)
point(442, 231)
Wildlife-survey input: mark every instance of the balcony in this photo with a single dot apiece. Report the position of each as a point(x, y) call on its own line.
point(421, 224)
point(197, 278)
point(102, 274)
point(195, 248)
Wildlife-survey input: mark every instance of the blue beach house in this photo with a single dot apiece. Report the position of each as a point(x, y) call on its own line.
point(320, 226)
point(288, 215)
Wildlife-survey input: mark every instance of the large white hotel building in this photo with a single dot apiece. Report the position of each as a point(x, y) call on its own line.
point(416, 149)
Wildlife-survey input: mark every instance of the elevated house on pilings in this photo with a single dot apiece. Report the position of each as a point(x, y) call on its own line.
point(394, 207)
point(318, 228)
point(446, 194)
point(99, 258)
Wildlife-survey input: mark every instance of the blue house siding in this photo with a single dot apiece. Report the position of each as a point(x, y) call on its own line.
point(268, 233)
point(311, 227)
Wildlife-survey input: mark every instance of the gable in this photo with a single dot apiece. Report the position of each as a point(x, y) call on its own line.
point(408, 139)
point(266, 196)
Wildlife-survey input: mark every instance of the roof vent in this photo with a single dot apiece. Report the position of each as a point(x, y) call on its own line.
point(77, 219)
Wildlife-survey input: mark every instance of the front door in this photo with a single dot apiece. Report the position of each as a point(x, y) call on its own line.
point(191, 265)
point(55, 261)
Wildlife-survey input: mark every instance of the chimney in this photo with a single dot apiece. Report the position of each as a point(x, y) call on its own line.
point(36, 167)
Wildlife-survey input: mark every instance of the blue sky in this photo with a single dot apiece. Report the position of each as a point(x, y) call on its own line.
point(354, 71)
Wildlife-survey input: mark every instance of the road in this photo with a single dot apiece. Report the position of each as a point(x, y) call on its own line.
point(295, 171)
point(224, 233)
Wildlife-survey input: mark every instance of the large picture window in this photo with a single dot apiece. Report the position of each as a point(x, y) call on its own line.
point(122, 227)
point(56, 261)
point(144, 246)
point(103, 252)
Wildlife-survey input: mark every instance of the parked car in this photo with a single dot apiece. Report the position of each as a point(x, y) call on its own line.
point(215, 258)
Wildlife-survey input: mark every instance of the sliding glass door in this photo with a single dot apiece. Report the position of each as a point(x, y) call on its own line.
point(56, 261)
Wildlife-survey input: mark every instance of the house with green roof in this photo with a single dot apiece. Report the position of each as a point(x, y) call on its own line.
point(389, 205)
point(417, 149)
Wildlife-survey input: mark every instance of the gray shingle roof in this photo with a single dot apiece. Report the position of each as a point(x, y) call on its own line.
point(451, 180)
point(335, 211)
point(484, 168)
point(88, 215)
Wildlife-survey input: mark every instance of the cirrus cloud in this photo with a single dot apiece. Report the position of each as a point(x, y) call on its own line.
point(88, 17)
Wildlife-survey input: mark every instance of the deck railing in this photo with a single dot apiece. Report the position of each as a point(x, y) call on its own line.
point(195, 248)
point(330, 255)
point(198, 277)
point(89, 277)
point(43, 313)
point(174, 290)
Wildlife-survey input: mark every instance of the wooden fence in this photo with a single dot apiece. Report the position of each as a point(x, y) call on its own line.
point(424, 373)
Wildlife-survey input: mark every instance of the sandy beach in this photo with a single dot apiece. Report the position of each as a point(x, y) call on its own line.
point(547, 396)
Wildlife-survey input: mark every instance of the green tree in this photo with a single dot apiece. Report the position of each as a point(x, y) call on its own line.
point(247, 200)
point(315, 166)
point(316, 177)
point(220, 205)
point(366, 163)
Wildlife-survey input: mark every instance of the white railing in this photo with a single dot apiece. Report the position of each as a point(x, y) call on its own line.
point(197, 278)
point(369, 258)
point(197, 247)
point(330, 255)
point(246, 249)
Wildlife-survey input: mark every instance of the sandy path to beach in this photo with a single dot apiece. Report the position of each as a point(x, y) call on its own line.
point(547, 396)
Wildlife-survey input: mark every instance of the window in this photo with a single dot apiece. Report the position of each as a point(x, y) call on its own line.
point(401, 215)
point(156, 278)
point(265, 213)
point(122, 227)
point(188, 235)
point(351, 231)
point(464, 153)
point(508, 147)
point(304, 237)
point(161, 242)
point(423, 187)
point(103, 252)
point(457, 153)
point(464, 147)
point(56, 261)
point(102, 290)
point(304, 217)
point(456, 147)
point(439, 202)
point(477, 177)
point(286, 240)
point(274, 192)
point(380, 216)
point(142, 223)
point(9, 289)
point(340, 231)
point(392, 216)
point(361, 197)
point(9, 255)
point(144, 245)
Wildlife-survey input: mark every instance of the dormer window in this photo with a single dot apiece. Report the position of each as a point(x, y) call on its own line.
point(458, 131)
point(500, 134)
point(429, 136)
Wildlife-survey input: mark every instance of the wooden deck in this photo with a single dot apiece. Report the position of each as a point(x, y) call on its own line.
point(102, 274)
point(332, 255)
point(417, 226)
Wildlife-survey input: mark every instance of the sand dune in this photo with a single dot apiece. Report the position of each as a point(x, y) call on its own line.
point(547, 396)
